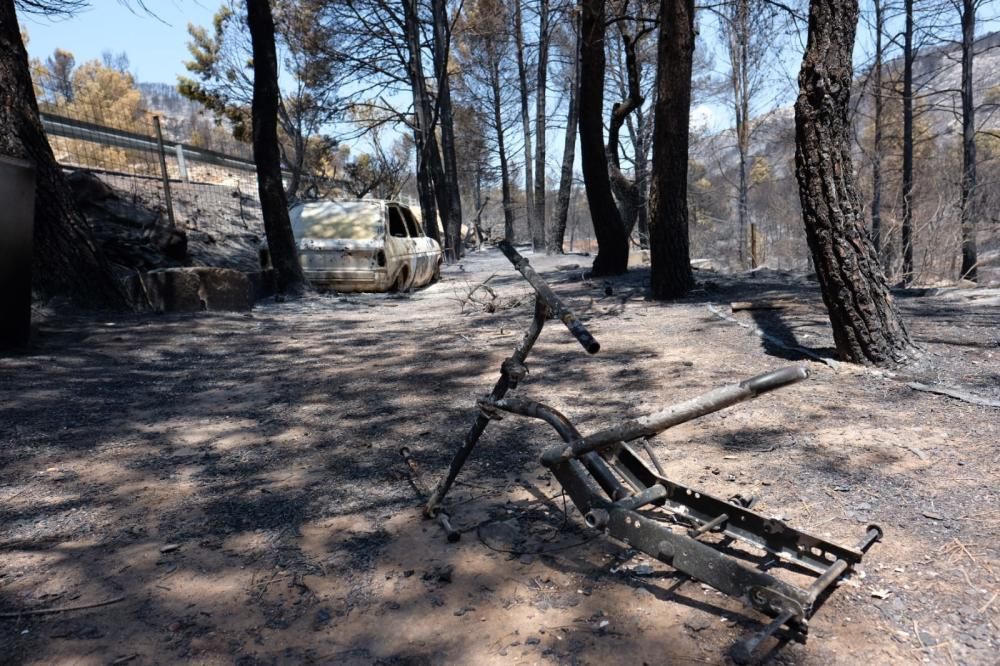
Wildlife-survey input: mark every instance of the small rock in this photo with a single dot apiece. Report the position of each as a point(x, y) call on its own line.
point(526, 558)
point(697, 624)
point(532, 640)
point(169, 548)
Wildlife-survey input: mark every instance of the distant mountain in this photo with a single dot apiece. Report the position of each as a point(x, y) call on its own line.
point(937, 74)
point(179, 116)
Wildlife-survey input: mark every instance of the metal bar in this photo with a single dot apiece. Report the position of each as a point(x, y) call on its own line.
point(742, 652)
point(648, 496)
point(755, 588)
point(163, 170)
point(416, 478)
point(544, 291)
point(668, 417)
point(592, 461)
point(181, 163)
point(709, 526)
point(772, 535)
point(504, 383)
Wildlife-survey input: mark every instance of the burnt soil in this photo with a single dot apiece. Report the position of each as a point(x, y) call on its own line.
point(232, 483)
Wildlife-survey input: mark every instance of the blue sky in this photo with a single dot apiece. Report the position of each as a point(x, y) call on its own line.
point(156, 46)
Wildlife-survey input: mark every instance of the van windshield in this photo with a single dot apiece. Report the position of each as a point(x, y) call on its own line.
point(350, 220)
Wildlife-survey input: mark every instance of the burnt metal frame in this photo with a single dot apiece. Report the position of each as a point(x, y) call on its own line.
point(620, 494)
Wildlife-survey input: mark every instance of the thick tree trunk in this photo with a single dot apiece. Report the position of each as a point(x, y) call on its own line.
point(668, 225)
point(969, 259)
point(907, 230)
point(557, 229)
point(442, 44)
point(267, 155)
point(537, 240)
point(67, 260)
point(425, 188)
point(540, 99)
point(877, 122)
point(866, 326)
point(612, 241)
point(508, 205)
point(429, 157)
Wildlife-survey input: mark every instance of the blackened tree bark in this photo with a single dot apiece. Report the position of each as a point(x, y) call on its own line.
point(442, 45)
point(537, 239)
point(625, 189)
point(969, 259)
point(266, 153)
point(541, 81)
point(67, 260)
point(866, 325)
point(612, 240)
point(508, 205)
point(668, 224)
point(877, 123)
point(907, 225)
point(428, 156)
point(557, 229)
point(425, 189)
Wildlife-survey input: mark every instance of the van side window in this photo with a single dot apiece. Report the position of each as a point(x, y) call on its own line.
point(397, 227)
point(411, 224)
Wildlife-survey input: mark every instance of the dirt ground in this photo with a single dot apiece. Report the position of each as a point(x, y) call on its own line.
point(231, 482)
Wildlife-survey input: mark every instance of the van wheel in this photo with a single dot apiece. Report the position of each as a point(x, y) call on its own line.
point(399, 286)
point(437, 274)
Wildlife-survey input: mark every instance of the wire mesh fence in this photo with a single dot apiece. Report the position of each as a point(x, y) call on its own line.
point(135, 152)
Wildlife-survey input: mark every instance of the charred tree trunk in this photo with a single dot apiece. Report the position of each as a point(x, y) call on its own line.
point(739, 57)
point(866, 326)
point(67, 260)
point(557, 230)
point(969, 201)
point(907, 230)
point(442, 44)
point(877, 122)
point(626, 191)
point(425, 188)
point(537, 241)
point(541, 81)
point(668, 225)
point(612, 241)
point(508, 205)
point(642, 177)
point(267, 155)
point(428, 157)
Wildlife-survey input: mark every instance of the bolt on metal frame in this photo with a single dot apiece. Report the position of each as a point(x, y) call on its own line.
point(630, 501)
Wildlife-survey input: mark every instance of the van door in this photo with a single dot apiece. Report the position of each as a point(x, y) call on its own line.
point(427, 252)
point(402, 245)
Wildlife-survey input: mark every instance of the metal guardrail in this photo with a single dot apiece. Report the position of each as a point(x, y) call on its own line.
point(78, 129)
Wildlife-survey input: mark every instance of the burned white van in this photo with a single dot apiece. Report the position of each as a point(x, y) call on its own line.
point(367, 245)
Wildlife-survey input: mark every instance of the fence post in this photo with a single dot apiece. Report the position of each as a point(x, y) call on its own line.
point(163, 170)
point(181, 164)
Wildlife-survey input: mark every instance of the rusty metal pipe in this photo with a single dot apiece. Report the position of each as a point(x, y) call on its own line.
point(657, 422)
point(596, 465)
point(503, 384)
point(544, 291)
